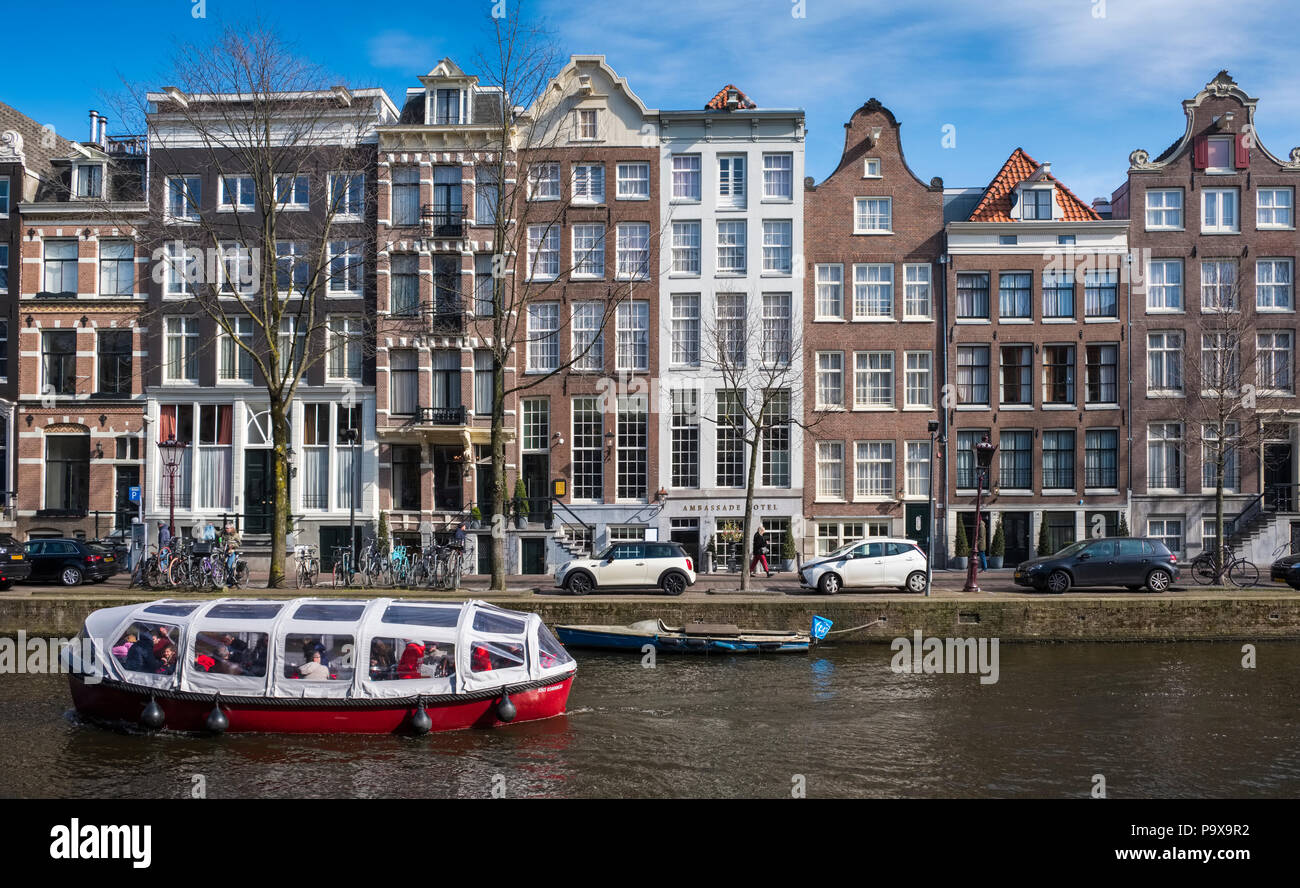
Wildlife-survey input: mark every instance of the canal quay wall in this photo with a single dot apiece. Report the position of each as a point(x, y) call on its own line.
point(1197, 616)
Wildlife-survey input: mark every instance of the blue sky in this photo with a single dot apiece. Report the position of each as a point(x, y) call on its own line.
point(1080, 83)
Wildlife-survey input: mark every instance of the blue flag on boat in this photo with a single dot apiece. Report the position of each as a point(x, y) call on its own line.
point(820, 627)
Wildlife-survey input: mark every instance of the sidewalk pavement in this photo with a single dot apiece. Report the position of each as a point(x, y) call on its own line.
point(947, 584)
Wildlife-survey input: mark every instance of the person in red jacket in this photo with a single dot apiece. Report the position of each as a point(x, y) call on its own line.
point(409, 665)
point(479, 659)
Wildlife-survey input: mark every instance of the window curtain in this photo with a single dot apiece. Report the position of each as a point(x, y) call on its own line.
point(343, 479)
point(316, 471)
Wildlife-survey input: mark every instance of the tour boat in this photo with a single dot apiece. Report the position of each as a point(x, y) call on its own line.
point(312, 665)
point(692, 638)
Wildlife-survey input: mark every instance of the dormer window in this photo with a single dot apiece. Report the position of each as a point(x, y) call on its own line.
point(89, 179)
point(1219, 155)
point(586, 124)
point(447, 107)
point(871, 168)
point(1036, 203)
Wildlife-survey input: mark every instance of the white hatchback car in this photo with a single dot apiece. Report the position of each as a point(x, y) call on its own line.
point(628, 566)
point(878, 561)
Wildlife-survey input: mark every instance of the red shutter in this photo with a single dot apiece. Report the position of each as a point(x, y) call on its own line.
point(1200, 153)
point(1243, 152)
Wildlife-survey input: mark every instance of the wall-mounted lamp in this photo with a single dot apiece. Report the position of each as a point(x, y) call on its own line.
point(609, 443)
point(661, 496)
point(557, 440)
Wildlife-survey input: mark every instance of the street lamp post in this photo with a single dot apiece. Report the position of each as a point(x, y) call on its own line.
point(350, 436)
point(933, 427)
point(983, 460)
point(172, 452)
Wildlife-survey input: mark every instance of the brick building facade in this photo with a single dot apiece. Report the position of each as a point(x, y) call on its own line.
point(1036, 359)
point(873, 300)
point(1212, 224)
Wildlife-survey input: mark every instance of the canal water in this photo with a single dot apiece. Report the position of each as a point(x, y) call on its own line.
point(1157, 720)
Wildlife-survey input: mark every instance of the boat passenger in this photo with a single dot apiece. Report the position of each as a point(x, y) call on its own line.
point(436, 663)
point(409, 665)
point(167, 661)
point(238, 648)
point(163, 639)
point(314, 669)
point(204, 662)
point(122, 648)
point(480, 660)
point(223, 665)
point(141, 657)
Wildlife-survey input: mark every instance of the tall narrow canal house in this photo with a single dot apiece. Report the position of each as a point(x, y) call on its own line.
point(732, 205)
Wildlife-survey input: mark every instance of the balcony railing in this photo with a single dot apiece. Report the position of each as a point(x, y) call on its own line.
point(443, 220)
point(446, 416)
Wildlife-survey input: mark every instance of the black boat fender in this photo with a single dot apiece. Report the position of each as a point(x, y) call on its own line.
point(153, 716)
point(506, 710)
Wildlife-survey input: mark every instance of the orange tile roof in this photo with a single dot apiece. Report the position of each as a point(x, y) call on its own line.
point(719, 102)
point(995, 205)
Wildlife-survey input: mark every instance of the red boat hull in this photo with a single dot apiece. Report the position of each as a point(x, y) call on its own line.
point(108, 703)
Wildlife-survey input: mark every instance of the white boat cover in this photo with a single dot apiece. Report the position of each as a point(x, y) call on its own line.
point(369, 648)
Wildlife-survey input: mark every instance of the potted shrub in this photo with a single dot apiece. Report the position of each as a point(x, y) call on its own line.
point(1122, 529)
point(998, 546)
point(1044, 547)
point(788, 552)
point(475, 518)
point(961, 547)
point(521, 505)
point(382, 535)
point(709, 553)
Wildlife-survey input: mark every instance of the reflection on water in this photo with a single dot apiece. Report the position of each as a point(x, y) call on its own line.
point(1157, 720)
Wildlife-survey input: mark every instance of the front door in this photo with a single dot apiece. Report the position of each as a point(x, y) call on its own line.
point(1278, 492)
point(537, 475)
point(259, 491)
point(687, 532)
point(917, 518)
point(123, 508)
point(447, 489)
point(1015, 531)
point(533, 550)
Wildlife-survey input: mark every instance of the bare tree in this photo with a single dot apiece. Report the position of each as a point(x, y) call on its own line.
point(260, 206)
point(758, 364)
point(532, 134)
point(1232, 378)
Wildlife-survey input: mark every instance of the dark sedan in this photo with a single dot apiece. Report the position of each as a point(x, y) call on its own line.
point(1116, 561)
point(1286, 570)
point(70, 562)
point(13, 562)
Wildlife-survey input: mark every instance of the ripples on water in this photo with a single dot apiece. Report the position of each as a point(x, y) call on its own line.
point(1179, 720)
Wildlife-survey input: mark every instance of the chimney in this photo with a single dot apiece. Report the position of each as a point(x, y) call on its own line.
point(103, 132)
point(733, 99)
point(1101, 206)
point(94, 125)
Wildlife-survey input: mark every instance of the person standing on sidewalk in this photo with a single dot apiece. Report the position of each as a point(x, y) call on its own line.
point(760, 551)
point(982, 544)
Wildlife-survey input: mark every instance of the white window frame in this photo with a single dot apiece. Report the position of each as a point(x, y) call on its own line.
point(867, 220)
point(863, 283)
point(586, 330)
point(1275, 209)
point(923, 377)
point(587, 181)
point(632, 251)
point(1164, 210)
point(543, 244)
point(687, 178)
point(778, 177)
point(686, 248)
point(539, 359)
point(190, 186)
point(1167, 353)
point(1281, 291)
point(292, 202)
point(632, 180)
point(864, 376)
point(685, 329)
point(867, 481)
point(1164, 288)
point(587, 245)
point(829, 373)
point(354, 181)
point(732, 227)
point(778, 246)
point(830, 288)
point(918, 290)
point(830, 455)
point(732, 171)
point(871, 168)
point(1212, 203)
point(544, 181)
point(244, 196)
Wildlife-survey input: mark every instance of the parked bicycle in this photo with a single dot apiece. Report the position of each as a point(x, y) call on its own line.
point(308, 565)
point(1238, 570)
point(344, 573)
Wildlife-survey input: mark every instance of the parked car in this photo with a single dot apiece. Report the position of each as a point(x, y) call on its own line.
point(70, 562)
point(13, 562)
point(879, 561)
point(1286, 570)
point(1130, 562)
point(114, 561)
point(628, 566)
